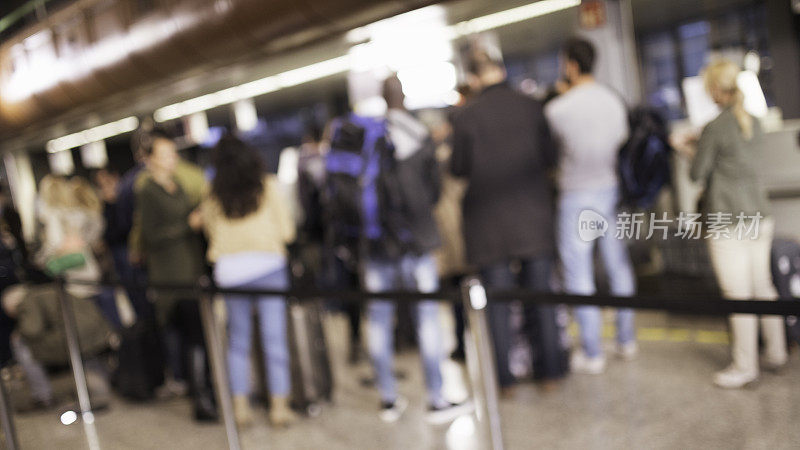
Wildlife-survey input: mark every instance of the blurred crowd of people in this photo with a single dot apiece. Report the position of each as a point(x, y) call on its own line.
point(386, 204)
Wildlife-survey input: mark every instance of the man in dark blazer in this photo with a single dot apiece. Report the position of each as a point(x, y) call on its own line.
point(502, 146)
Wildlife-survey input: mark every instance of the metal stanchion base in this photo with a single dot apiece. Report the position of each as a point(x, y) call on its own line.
point(76, 361)
point(219, 370)
point(480, 362)
point(7, 419)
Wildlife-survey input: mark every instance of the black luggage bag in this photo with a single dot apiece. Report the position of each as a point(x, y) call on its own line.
point(786, 277)
point(140, 368)
point(312, 377)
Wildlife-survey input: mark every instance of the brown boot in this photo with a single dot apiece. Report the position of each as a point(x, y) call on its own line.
point(280, 414)
point(242, 413)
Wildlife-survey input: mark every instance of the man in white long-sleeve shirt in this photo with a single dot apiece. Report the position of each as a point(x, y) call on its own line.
point(590, 123)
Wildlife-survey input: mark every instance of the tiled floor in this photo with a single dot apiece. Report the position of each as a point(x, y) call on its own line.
point(664, 399)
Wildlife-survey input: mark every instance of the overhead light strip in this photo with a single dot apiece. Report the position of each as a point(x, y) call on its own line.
point(342, 64)
point(95, 134)
point(511, 16)
point(296, 77)
point(255, 88)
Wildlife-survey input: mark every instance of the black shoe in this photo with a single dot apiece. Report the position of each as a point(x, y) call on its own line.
point(438, 415)
point(354, 355)
point(205, 408)
point(458, 355)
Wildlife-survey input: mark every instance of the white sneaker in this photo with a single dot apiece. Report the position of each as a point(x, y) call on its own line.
point(447, 412)
point(391, 412)
point(172, 388)
point(581, 363)
point(733, 378)
point(628, 351)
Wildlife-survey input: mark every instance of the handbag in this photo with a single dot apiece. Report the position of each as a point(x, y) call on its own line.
point(60, 264)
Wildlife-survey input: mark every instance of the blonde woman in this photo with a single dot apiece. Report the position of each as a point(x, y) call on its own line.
point(70, 213)
point(725, 160)
point(72, 222)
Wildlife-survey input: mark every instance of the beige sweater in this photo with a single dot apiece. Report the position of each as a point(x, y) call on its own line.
point(268, 229)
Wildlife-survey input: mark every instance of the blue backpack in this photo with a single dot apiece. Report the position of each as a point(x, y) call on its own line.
point(643, 165)
point(358, 195)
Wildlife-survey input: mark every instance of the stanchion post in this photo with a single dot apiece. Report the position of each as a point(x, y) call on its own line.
point(7, 419)
point(76, 361)
point(480, 361)
point(74, 349)
point(218, 366)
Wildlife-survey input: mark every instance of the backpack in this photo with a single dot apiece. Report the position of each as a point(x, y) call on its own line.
point(643, 163)
point(360, 191)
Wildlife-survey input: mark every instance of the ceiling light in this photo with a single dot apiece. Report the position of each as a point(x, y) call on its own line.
point(513, 15)
point(95, 134)
point(345, 63)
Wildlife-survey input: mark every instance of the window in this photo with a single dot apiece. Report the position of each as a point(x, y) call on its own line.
point(681, 50)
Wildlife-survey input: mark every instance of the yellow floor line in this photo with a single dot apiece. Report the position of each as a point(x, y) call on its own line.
point(712, 337)
point(662, 334)
point(652, 334)
point(679, 335)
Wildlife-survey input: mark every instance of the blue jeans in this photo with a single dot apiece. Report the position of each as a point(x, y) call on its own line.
point(272, 320)
point(541, 324)
point(35, 373)
point(417, 273)
point(106, 302)
point(577, 259)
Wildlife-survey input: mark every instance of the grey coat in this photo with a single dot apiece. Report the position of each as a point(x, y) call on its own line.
point(727, 163)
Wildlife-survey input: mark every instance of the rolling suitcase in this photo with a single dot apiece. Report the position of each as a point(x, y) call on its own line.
point(786, 277)
point(140, 367)
point(312, 378)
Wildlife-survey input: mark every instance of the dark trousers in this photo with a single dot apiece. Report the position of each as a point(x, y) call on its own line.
point(132, 276)
point(107, 304)
point(336, 275)
point(541, 325)
point(182, 332)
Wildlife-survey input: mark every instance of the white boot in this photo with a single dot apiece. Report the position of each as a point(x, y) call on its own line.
point(744, 349)
point(734, 378)
point(773, 329)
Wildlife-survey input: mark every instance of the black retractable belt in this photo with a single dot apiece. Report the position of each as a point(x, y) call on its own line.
point(687, 305)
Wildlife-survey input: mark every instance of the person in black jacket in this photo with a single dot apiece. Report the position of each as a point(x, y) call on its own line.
point(407, 263)
point(119, 216)
point(502, 146)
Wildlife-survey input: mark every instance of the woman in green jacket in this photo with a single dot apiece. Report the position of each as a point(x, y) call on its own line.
point(173, 254)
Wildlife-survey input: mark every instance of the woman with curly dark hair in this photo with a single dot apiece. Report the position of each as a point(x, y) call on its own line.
point(248, 226)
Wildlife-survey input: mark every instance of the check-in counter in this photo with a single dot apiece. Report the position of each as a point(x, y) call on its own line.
point(779, 170)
